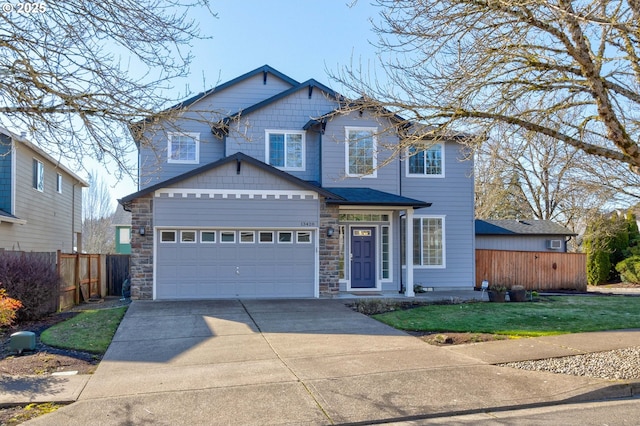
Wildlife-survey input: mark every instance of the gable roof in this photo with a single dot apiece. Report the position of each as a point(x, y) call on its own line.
point(520, 227)
point(239, 157)
point(32, 146)
point(309, 85)
point(263, 69)
point(371, 197)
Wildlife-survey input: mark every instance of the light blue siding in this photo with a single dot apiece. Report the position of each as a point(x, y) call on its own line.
point(334, 154)
point(453, 198)
point(198, 119)
point(519, 242)
point(291, 113)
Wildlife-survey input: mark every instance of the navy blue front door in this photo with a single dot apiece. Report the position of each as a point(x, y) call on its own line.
point(363, 258)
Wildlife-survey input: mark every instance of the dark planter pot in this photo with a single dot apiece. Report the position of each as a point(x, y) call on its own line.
point(496, 296)
point(518, 295)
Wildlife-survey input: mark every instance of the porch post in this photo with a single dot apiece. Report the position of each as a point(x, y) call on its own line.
point(408, 291)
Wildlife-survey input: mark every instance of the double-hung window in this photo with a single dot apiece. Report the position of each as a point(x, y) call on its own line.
point(38, 175)
point(361, 151)
point(285, 149)
point(426, 162)
point(184, 148)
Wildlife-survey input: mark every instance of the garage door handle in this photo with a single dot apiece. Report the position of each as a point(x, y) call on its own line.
point(237, 270)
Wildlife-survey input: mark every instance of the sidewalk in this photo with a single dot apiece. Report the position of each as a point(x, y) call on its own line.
point(311, 362)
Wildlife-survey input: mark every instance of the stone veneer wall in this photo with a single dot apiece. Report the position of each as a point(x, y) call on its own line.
point(142, 248)
point(329, 250)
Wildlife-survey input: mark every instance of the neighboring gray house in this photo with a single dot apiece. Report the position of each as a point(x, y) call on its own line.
point(262, 188)
point(40, 199)
point(522, 235)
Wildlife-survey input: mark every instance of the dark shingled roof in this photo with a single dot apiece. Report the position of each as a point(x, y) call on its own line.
point(371, 197)
point(520, 227)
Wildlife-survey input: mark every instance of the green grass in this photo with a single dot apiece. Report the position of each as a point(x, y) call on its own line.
point(552, 315)
point(89, 331)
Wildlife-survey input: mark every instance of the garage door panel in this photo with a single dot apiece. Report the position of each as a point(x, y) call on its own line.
point(236, 270)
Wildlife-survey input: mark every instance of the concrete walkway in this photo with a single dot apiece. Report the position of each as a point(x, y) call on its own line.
point(311, 362)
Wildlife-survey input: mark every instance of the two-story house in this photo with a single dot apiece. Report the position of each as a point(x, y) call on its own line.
point(263, 188)
point(40, 199)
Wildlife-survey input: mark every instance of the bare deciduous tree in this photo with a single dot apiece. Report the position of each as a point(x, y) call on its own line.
point(98, 232)
point(75, 73)
point(465, 65)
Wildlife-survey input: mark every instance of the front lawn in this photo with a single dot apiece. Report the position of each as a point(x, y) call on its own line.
point(551, 315)
point(89, 331)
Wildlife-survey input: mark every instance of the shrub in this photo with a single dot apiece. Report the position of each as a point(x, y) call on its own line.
point(32, 280)
point(8, 308)
point(598, 267)
point(629, 269)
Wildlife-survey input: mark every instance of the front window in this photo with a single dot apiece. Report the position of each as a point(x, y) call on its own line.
point(361, 151)
point(184, 148)
point(425, 162)
point(428, 242)
point(38, 175)
point(285, 149)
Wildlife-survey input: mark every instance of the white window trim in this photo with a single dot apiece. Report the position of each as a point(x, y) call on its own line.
point(267, 148)
point(202, 241)
point(373, 130)
point(266, 242)
point(253, 237)
point(304, 242)
point(228, 232)
point(195, 237)
point(285, 232)
point(195, 136)
point(380, 226)
point(175, 237)
point(444, 242)
point(425, 175)
point(40, 175)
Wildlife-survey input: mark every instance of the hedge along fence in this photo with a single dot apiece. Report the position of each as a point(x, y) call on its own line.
point(31, 278)
point(532, 269)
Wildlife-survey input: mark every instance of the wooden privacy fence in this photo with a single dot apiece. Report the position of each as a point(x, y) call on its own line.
point(532, 269)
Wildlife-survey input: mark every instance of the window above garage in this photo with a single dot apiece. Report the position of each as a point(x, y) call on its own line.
point(285, 149)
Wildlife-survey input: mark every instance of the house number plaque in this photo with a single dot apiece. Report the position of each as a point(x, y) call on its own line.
point(303, 223)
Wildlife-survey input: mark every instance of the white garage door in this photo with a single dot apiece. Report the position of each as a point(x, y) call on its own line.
point(233, 263)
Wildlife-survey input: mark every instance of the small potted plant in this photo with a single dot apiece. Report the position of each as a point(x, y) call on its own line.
point(497, 293)
point(517, 293)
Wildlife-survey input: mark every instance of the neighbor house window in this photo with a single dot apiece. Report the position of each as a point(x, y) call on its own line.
point(426, 162)
point(125, 235)
point(184, 148)
point(285, 149)
point(361, 151)
point(38, 175)
point(59, 183)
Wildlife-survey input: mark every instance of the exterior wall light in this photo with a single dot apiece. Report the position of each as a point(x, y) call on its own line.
point(141, 230)
point(330, 232)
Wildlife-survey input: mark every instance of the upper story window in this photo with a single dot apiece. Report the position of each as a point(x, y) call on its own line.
point(426, 162)
point(184, 148)
point(361, 145)
point(285, 149)
point(59, 183)
point(38, 175)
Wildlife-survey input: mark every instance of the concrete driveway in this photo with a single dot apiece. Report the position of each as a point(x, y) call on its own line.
point(289, 362)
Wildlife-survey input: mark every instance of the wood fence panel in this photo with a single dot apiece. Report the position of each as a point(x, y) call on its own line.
point(117, 270)
point(533, 270)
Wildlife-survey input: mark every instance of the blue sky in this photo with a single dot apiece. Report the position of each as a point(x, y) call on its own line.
point(301, 38)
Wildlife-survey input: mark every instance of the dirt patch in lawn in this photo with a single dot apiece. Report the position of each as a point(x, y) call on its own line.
point(448, 339)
